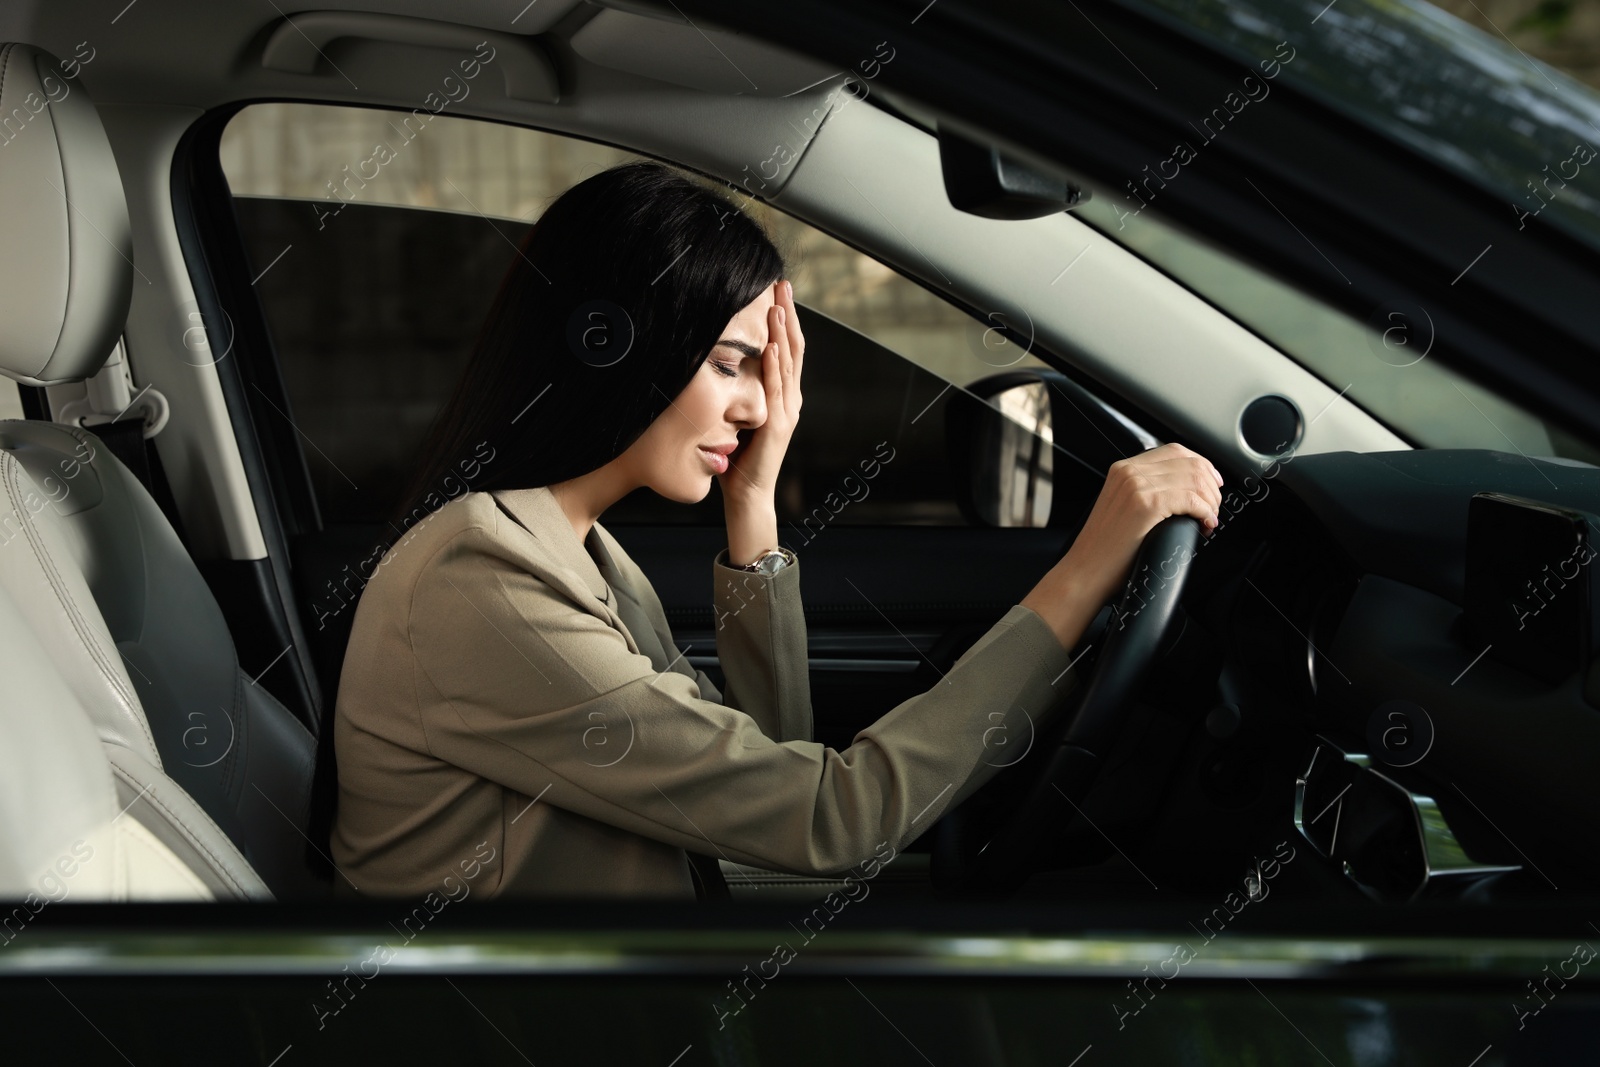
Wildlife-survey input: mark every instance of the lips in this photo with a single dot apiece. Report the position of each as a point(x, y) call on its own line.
point(716, 459)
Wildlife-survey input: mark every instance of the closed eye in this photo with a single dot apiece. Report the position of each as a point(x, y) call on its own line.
point(745, 348)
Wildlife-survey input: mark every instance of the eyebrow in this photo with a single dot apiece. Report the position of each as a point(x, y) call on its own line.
point(750, 350)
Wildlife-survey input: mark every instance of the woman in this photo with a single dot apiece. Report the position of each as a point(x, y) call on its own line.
point(514, 716)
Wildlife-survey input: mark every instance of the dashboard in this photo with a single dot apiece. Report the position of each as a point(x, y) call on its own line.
point(1425, 616)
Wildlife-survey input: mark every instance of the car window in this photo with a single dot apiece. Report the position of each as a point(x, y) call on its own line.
point(375, 249)
point(375, 259)
point(1383, 365)
point(899, 314)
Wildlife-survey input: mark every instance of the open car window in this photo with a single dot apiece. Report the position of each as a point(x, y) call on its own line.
point(375, 248)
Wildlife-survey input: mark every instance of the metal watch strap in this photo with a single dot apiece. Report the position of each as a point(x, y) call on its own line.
point(770, 562)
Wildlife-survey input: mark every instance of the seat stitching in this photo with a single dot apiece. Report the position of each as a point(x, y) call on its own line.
point(5, 66)
point(189, 835)
point(64, 601)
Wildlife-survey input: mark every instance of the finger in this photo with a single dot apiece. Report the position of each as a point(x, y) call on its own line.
point(772, 376)
point(1181, 466)
point(1204, 476)
point(1182, 492)
point(786, 328)
point(797, 337)
point(1189, 482)
point(778, 332)
point(1200, 481)
point(787, 348)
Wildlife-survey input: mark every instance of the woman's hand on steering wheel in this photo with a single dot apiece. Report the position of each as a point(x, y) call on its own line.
point(1131, 525)
point(1139, 492)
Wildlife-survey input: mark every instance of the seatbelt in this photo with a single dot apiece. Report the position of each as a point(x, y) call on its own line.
point(111, 411)
point(126, 441)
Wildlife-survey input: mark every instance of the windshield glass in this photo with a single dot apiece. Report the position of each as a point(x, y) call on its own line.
point(1470, 99)
point(1382, 367)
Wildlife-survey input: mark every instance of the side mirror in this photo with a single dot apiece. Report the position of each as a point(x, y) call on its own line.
point(1030, 447)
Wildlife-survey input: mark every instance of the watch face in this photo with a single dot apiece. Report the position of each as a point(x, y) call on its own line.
point(771, 563)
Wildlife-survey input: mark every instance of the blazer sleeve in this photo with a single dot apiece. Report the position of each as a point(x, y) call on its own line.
point(762, 648)
point(512, 679)
point(761, 645)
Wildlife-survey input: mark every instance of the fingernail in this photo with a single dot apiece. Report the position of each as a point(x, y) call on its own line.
point(782, 318)
point(788, 289)
point(1217, 475)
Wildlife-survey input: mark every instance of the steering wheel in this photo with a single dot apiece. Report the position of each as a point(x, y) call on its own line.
point(966, 859)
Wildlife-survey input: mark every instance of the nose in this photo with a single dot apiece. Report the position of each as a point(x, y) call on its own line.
point(748, 409)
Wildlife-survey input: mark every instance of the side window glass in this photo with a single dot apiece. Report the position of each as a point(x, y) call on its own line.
point(376, 246)
point(888, 359)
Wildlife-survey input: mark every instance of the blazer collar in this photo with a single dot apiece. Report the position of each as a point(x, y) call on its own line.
point(540, 513)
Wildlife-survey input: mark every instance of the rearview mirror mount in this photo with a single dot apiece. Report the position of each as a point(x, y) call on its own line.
point(981, 181)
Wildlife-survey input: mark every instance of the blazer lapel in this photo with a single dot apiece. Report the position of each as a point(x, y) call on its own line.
point(578, 570)
point(629, 608)
point(570, 567)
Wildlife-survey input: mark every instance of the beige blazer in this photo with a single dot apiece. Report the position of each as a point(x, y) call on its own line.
point(514, 717)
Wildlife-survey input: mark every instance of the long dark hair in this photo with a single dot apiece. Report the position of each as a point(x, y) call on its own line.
point(611, 304)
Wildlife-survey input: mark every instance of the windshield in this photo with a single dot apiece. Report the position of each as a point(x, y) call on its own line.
point(1384, 367)
point(1470, 99)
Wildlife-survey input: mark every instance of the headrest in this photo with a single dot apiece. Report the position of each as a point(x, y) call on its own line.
point(66, 264)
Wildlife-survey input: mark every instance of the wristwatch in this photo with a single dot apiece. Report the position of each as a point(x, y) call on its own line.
point(770, 562)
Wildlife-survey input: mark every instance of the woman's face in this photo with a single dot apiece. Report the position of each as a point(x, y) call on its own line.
point(725, 395)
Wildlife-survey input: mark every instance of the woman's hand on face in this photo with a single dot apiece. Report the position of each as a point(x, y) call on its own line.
point(753, 466)
point(1139, 492)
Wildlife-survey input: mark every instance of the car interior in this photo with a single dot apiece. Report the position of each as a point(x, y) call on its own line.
point(181, 558)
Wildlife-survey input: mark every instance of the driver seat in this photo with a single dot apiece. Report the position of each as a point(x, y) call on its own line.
point(64, 832)
point(85, 550)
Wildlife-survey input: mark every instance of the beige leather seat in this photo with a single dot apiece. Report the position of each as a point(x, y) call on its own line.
point(63, 834)
point(90, 560)
point(46, 594)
